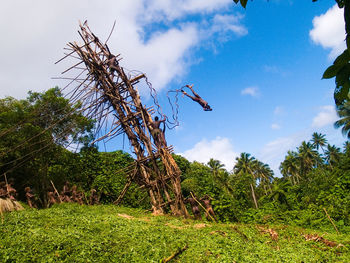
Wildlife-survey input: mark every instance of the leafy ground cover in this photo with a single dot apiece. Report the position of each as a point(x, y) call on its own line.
point(106, 233)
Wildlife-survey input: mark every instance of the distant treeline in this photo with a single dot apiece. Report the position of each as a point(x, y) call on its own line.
point(35, 134)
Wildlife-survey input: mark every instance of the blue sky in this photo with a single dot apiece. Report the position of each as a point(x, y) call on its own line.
point(260, 69)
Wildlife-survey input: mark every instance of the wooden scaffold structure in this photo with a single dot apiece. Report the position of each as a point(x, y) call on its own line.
point(106, 91)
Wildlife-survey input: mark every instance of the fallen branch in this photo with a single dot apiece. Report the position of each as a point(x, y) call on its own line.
point(317, 238)
point(178, 252)
point(59, 197)
point(235, 228)
point(330, 219)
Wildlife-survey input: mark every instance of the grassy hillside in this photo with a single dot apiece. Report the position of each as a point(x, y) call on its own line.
point(73, 233)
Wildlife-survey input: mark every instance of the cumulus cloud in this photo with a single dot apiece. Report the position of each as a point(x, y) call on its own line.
point(326, 116)
point(251, 91)
point(273, 152)
point(224, 23)
point(329, 30)
point(220, 149)
point(176, 9)
point(275, 70)
point(275, 126)
point(278, 110)
point(158, 37)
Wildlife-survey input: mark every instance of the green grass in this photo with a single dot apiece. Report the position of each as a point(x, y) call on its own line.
point(73, 233)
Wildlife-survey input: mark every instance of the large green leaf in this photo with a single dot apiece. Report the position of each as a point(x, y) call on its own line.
point(244, 3)
point(343, 75)
point(343, 59)
point(341, 93)
point(332, 71)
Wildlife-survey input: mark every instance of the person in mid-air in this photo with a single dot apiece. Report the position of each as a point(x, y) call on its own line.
point(197, 98)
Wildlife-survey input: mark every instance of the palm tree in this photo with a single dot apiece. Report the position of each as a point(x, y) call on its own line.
point(264, 173)
point(219, 173)
point(279, 191)
point(346, 147)
point(319, 140)
point(215, 166)
point(344, 121)
point(290, 167)
point(333, 154)
point(309, 157)
point(246, 165)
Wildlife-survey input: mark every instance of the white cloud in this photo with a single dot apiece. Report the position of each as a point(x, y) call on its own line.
point(160, 10)
point(278, 110)
point(224, 23)
point(274, 152)
point(271, 69)
point(252, 91)
point(220, 149)
point(275, 126)
point(329, 30)
point(275, 70)
point(154, 36)
point(327, 116)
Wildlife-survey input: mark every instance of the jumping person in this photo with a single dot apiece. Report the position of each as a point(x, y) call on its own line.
point(197, 98)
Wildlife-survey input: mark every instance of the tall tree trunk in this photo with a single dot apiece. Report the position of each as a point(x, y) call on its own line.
point(253, 194)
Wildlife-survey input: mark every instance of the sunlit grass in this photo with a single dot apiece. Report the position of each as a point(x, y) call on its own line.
point(106, 233)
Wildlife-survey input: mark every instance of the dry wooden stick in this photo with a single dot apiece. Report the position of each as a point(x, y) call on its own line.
point(178, 252)
point(5, 179)
point(7, 186)
point(59, 197)
point(330, 219)
point(202, 207)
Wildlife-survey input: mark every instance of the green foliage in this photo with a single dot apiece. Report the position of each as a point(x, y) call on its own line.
point(73, 233)
point(344, 121)
point(341, 66)
point(33, 135)
point(316, 175)
point(243, 2)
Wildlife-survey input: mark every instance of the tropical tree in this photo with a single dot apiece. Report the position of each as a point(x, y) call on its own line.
point(215, 166)
point(344, 121)
point(319, 141)
point(332, 154)
point(34, 133)
point(308, 156)
point(346, 147)
point(220, 174)
point(290, 167)
point(279, 191)
point(264, 174)
point(245, 166)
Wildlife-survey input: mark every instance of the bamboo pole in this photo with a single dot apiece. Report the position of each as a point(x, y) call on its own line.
point(178, 252)
point(59, 197)
point(330, 219)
